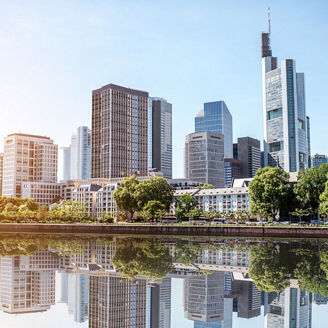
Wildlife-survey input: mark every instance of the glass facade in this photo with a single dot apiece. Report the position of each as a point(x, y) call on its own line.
point(216, 118)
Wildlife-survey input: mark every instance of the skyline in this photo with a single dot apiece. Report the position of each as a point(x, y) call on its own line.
point(54, 55)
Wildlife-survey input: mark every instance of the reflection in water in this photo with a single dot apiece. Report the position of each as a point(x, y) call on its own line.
point(126, 282)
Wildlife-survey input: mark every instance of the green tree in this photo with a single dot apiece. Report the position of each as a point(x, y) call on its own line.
point(268, 191)
point(154, 209)
point(300, 213)
point(146, 258)
point(125, 195)
point(154, 189)
point(184, 205)
point(310, 184)
point(323, 206)
point(195, 214)
point(206, 186)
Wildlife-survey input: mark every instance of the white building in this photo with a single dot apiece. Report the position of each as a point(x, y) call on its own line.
point(86, 194)
point(28, 158)
point(222, 199)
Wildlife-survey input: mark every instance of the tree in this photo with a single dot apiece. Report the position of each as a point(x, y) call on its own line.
point(184, 205)
point(206, 186)
point(323, 207)
point(195, 214)
point(154, 209)
point(125, 195)
point(268, 191)
point(154, 189)
point(269, 268)
point(300, 213)
point(310, 184)
point(146, 258)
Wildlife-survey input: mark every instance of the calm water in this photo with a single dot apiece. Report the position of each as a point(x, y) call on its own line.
point(110, 281)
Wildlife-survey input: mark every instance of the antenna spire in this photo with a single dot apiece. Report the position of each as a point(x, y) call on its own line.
point(269, 20)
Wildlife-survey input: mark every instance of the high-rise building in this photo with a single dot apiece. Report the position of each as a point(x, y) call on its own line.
point(249, 155)
point(308, 136)
point(77, 157)
point(204, 158)
point(28, 158)
point(284, 114)
point(249, 301)
point(289, 308)
point(158, 309)
point(216, 118)
point(1, 172)
point(160, 136)
point(231, 171)
point(317, 160)
point(204, 299)
point(27, 283)
point(119, 132)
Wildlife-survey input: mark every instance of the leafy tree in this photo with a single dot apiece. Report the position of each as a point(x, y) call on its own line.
point(186, 253)
point(310, 184)
point(268, 191)
point(42, 213)
point(146, 258)
point(154, 209)
point(323, 207)
point(195, 214)
point(300, 213)
point(269, 268)
point(125, 195)
point(184, 205)
point(154, 189)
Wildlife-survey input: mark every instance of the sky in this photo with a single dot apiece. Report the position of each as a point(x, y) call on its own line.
point(54, 53)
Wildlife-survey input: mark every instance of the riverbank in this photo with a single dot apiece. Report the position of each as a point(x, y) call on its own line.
point(158, 229)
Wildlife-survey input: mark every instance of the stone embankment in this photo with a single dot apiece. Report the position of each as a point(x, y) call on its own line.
point(170, 230)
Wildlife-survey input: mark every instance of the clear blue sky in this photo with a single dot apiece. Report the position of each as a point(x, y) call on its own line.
point(54, 53)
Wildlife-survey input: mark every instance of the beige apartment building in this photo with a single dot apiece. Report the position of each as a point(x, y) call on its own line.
point(28, 158)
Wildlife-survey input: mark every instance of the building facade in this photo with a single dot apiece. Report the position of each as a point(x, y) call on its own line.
point(317, 160)
point(231, 171)
point(204, 158)
point(119, 132)
point(1, 172)
point(249, 155)
point(216, 118)
point(284, 114)
point(160, 136)
point(28, 158)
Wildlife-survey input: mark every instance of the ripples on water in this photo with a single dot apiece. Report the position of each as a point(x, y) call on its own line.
point(110, 281)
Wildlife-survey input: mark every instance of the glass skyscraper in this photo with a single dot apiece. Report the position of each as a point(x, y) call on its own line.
point(286, 130)
point(216, 118)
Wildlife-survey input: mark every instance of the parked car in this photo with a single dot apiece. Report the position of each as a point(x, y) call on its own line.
point(316, 222)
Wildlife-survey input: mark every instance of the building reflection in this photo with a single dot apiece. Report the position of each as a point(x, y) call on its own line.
point(216, 285)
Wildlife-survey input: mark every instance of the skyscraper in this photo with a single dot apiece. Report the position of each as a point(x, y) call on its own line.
point(77, 157)
point(216, 118)
point(317, 160)
point(231, 171)
point(284, 115)
point(119, 132)
point(249, 155)
point(28, 158)
point(160, 136)
point(204, 162)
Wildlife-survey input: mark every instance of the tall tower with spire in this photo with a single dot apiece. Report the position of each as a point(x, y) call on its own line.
point(284, 116)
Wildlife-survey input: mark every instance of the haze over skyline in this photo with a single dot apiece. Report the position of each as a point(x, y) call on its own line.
point(53, 54)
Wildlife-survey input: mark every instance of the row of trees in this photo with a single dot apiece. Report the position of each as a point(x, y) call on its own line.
point(272, 193)
point(14, 209)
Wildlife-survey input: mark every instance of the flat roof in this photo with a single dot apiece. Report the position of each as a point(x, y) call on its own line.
point(120, 88)
point(28, 135)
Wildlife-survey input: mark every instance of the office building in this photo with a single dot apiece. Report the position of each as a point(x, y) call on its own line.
point(158, 309)
point(289, 308)
point(119, 132)
point(77, 157)
point(284, 115)
point(1, 172)
point(42, 192)
point(117, 302)
point(308, 135)
point(204, 158)
point(216, 118)
point(160, 136)
point(27, 283)
point(204, 297)
point(249, 301)
point(231, 171)
point(28, 158)
point(249, 154)
point(317, 160)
